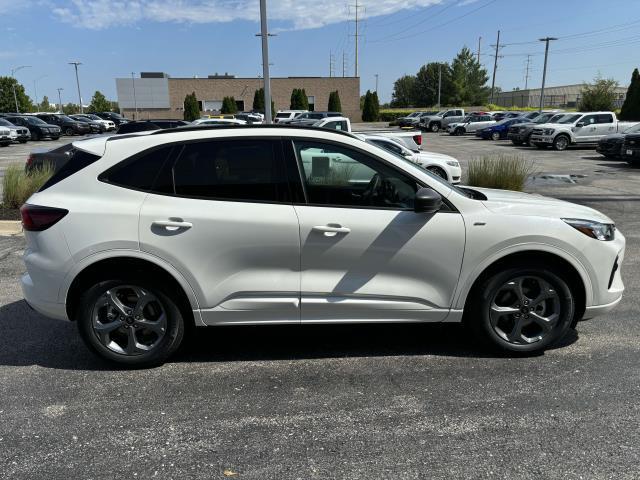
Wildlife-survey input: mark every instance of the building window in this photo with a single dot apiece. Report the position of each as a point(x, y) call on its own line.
point(240, 105)
point(312, 102)
point(212, 106)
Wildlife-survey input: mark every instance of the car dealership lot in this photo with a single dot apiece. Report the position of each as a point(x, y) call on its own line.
point(396, 401)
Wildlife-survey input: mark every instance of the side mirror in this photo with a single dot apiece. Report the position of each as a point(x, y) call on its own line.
point(580, 124)
point(427, 201)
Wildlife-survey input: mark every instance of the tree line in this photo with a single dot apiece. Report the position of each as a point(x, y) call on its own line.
point(463, 82)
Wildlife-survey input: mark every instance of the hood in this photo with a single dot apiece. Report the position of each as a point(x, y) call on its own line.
point(613, 136)
point(507, 202)
point(554, 125)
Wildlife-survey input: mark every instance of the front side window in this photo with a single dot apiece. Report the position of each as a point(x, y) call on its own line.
point(339, 176)
point(589, 119)
point(248, 170)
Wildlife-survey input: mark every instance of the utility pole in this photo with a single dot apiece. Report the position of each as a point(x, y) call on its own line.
point(495, 67)
point(135, 100)
point(357, 8)
point(376, 75)
point(331, 64)
point(544, 70)
point(76, 64)
point(479, 43)
point(60, 99)
point(265, 61)
point(526, 75)
point(13, 75)
point(344, 64)
point(35, 90)
point(439, 82)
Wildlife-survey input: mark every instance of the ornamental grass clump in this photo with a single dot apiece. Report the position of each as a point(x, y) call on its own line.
point(507, 172)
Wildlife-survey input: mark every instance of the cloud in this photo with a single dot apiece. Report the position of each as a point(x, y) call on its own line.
point(294, 14)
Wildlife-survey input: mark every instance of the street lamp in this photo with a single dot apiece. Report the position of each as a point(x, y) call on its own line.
point(75, 64)
point(135, 101)
point(60, 99)
point(13, 74)
point(35, 90)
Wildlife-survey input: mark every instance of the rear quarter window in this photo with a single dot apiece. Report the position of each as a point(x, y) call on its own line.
point(139, 172)
point(79, 160)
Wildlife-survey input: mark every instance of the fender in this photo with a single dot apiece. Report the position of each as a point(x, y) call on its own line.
point(115, 253)
point(464, 287)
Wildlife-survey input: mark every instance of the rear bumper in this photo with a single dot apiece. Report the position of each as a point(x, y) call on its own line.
point(48, 309)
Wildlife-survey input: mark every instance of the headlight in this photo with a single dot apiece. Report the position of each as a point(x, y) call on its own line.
point(593, 229)
point(453, 163)
point(548, 131)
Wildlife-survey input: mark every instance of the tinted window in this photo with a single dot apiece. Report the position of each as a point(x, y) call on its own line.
point(249, 170)
point(140, 171)
point(334, 175)
point(605, 118)
point(388, 146)
point(589, 119)
point(79, 160)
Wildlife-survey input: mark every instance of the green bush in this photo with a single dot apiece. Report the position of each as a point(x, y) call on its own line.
point(18, 186)
point(191, 107)
point(507, 172)
point(229, 105)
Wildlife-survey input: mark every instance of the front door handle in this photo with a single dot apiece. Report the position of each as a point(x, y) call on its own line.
point(172, 224)
point(330, 229)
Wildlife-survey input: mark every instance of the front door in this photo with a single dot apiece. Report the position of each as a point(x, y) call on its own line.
point(588, 133)
point(221, 214)
point(366, 255)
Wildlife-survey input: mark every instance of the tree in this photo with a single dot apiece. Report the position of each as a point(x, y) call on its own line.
point(7, 101)
point(334, 102)
point(631, 107)
point(404, 92)
point(45, 105)
point(299, 99)
point(258, 100)
point(304, 100)
point(99, 103)
point(293, 104)
point(370, 111)
point(229, 105)
point(599, 96)
point(70, 109)
point(469, 80)
point(191, 109)
point(426, 86)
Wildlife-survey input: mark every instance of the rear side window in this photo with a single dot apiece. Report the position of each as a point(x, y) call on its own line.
point(605, 118)
point(140, 171)
point(79, 160)
point(245, 170)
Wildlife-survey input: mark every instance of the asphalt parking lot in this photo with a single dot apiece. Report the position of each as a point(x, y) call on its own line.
point(352, 402)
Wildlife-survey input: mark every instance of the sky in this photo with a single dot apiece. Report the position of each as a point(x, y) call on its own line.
point(187, 38)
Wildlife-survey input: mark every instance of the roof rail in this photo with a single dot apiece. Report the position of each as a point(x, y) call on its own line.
point(197, 128)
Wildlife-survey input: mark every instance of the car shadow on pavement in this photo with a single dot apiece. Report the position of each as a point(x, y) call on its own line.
point(28, 338)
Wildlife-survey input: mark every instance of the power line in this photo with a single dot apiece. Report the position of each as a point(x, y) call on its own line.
point(416, 24)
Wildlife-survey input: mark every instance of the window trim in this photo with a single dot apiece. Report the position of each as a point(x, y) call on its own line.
point(448, 206)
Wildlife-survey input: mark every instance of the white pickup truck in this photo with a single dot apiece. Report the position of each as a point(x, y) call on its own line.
point(412, 139)
point(581, 128)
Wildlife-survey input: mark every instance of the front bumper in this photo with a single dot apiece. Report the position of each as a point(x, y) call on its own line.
point(541, 139)
point(631, 154)
point(611, 149)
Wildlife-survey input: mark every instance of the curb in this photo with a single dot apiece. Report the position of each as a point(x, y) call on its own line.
point(10, 227)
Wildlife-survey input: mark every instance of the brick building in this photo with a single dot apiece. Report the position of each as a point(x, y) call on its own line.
point(157, 95)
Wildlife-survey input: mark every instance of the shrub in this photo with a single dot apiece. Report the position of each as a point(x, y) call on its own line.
point(371, 108)
point(507, 172)
point(18, 186)
point(191, 108)
point(229, 105)
point(334, 102)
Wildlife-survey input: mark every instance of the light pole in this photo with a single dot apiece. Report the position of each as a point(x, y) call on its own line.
point(135, 101)
point(544, 71)
point(76, 64)
point(35, 90)
point(60, 99)
point(265, 60)
point(13, 74)
point(376, 75)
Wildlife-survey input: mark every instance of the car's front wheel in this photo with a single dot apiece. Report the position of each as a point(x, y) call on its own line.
point(495, 136)
point(130, 321)
point(434, 127)
point(522, 309)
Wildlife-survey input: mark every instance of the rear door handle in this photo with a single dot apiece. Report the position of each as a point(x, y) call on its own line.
point(172, 224)
point(331, 228)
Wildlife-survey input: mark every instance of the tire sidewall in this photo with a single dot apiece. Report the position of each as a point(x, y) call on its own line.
point(168, 345)
point(556, 144)
point(491, 287)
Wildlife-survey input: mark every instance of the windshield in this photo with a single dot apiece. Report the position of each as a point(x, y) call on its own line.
point(64, 118)
point(6, 123)
point(634, 129)
point(35, 121)
point(441, 113)
point(282, 115)
point(92, 117)
point(568, 119)
point(542, 118)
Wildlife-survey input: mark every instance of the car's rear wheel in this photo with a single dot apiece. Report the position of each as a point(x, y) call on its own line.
point(522, 309)
point(438, 171)
point(458, 131)
point(495, 136)
point(434, 127)
point(130, 321)
point(68, 131)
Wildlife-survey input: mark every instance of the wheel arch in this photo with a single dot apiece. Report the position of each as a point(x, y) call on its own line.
point(574, 273)
point(103, 266)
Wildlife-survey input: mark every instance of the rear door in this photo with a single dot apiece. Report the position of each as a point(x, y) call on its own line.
point(221, 213)
point(605, 125)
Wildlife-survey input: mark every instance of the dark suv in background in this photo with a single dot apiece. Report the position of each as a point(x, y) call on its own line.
point(39, 129)
point(68, 125)
point(113, 116)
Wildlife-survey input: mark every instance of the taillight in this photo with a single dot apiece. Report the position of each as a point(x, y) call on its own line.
point(417, 139)
point(36, 218)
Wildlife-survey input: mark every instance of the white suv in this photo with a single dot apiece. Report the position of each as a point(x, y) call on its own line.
point(140, 235)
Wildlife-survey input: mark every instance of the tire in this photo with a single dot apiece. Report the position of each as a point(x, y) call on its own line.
point(68, 131)
point(527, 141)
point(517, 143)
point(519, 326)
point(55, 138)
point(561, 142)
point(540, 145)
point(162, 335)
point(459, 131)
point(495, 136)
point(22, 141)
point(434, 127)
point(439, 172)
point(4, 144)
